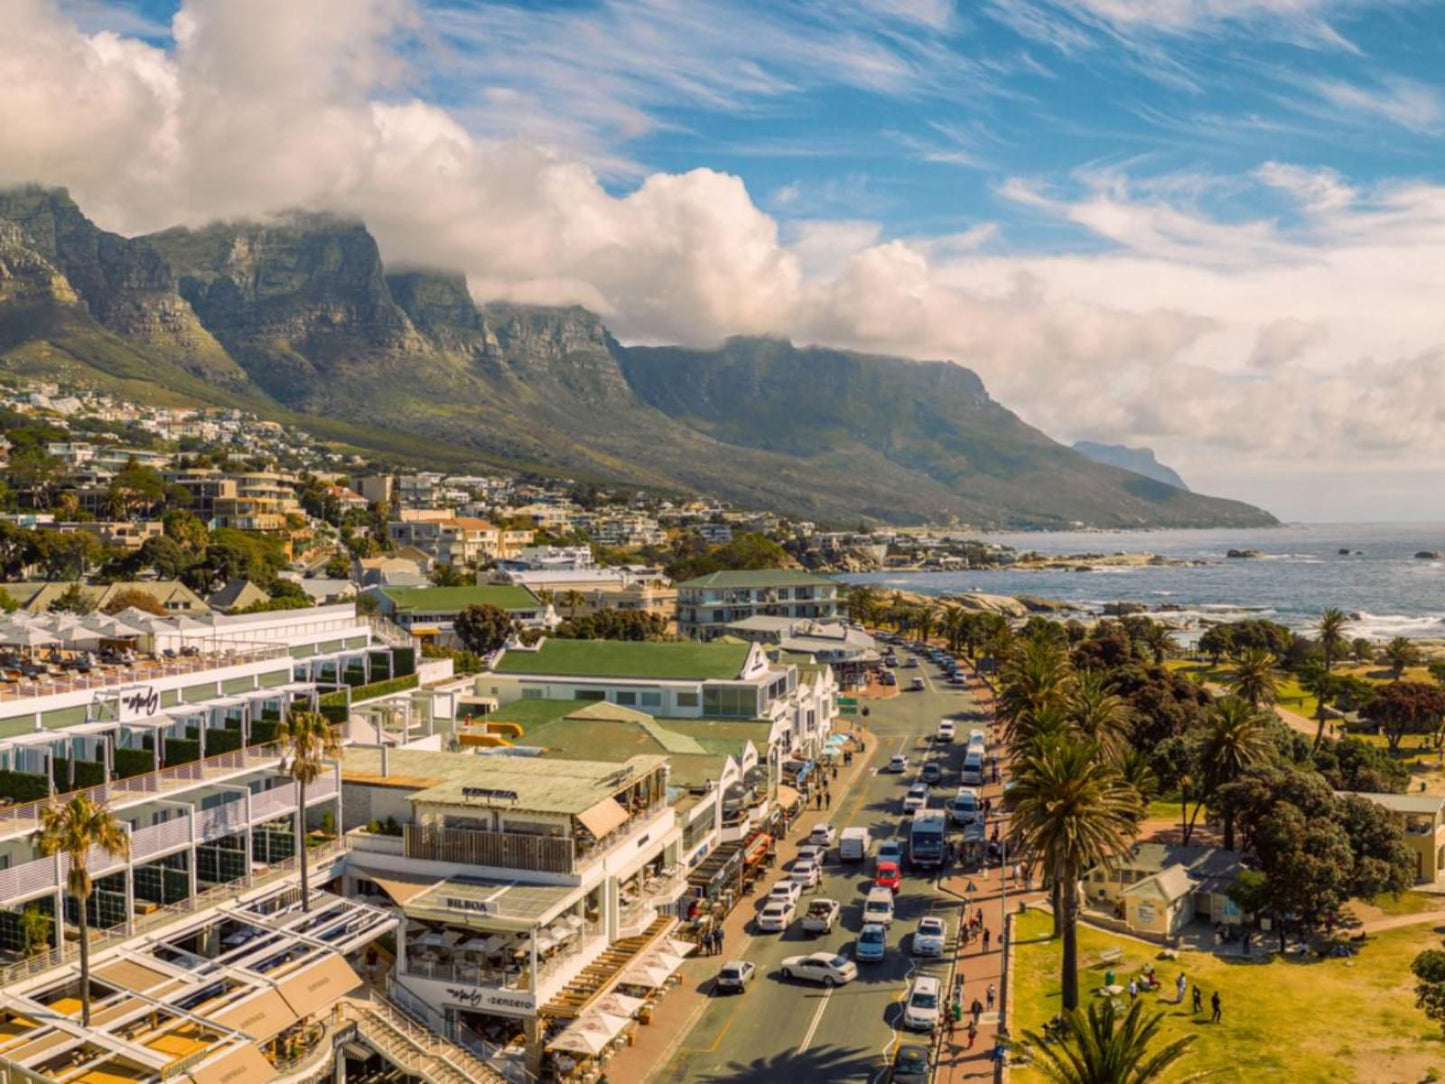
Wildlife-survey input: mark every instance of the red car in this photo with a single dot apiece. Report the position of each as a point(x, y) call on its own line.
point(888, 875)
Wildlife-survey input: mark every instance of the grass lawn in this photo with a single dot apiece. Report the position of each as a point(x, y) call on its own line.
point(1310, 1022)
point(1410, 903)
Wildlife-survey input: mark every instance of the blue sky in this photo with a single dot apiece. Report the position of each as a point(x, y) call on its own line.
point(1214, 227)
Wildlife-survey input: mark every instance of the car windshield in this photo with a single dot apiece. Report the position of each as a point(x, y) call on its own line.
point(925, 1001)
point(928, 926)
point(873, 936)
point(876, 905)
point(912, 1060)
point(731, 972)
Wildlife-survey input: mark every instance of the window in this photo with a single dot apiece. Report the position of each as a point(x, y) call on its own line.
point(687, 700)
point(626, 698)
point(589, 694)
point(652, 700)
point(530, 694)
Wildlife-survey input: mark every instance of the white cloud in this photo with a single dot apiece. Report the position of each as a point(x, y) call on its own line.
point(1405, 102)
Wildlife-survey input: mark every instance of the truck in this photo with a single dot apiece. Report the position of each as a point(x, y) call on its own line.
point(926, 844)
point(854, 844)
point(822, 916)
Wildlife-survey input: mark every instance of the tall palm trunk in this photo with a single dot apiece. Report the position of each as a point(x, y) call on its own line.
point(1056, 897)
point(1228, 831)
point(1071, 945)
point(84, 964)
point(301, 845)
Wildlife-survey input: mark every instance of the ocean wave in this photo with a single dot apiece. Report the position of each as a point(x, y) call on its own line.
point(1386, 626)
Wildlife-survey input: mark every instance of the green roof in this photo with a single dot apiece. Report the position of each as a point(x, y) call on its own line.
point(692, 762)
point(761, 577)
point(528, 713)
point(456, 599)
point(682, 661)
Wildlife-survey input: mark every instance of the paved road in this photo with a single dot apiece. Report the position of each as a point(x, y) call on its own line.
point(794, 1032)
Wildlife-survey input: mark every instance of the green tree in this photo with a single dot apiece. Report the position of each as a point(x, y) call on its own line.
point(72, 829)
point(186, 530)
point(574, 600)
point(1073, 810)
point(308, 740)
point(1098, 715)
point(1400, 654)
point(1236, 738)
point(1253, 678)
point(1099, 1048)
point(952, 622)
point(135, 489)
point(1159, 640)
point(19, 549)
point(863, 603)
point(1036, 677)
point(1406, 707)
point(35, 930)
point(483, 629)
point(129, 597)
point(1331, 629)
point(1429, 971)
point(1320, 684)
point(73, 600)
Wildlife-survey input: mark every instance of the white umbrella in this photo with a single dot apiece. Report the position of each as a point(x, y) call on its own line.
point(674, 947)
point(27, 637)
point(645, 974)
point(579, 1040)
point(615, 1004)
point(140, 619)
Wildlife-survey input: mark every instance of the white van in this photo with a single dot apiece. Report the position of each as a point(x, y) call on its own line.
point(972, 775)
point(854, 844)
point(965, 807)
point(878, 907)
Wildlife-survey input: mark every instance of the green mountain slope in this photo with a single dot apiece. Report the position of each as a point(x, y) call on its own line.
point(298, 319)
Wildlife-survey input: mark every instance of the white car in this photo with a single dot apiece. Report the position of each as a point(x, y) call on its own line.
point(785, 891)
point(823, 835)
point(734, 977)
point(929, 938)
point(898, 763)
point(813, 851)
point(826, 967)
point(923, 1009)
point(777, 916)
point(916, 798)
point(945, 730)
point(806, 872)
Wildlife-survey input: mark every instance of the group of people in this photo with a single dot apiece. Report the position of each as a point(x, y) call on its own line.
point(975, 1012)
point(712, 941)
point(1150, 981)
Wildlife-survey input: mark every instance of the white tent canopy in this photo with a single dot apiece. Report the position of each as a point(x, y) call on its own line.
point(16, 636)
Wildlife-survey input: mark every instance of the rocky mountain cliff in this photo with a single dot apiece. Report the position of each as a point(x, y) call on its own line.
point(1138, 460)
point(298, 316)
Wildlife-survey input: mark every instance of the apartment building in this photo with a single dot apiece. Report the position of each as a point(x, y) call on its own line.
point(251, 501)
point(707, 605)
point(1421, 820)
point(457, 540)
point(526, 886)
point(585, 591)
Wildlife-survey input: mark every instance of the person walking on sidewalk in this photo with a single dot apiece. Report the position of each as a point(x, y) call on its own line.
point(985, 939)
point(976, 1009)
point(992, 996)
point(717, 940)
point(972, 1033)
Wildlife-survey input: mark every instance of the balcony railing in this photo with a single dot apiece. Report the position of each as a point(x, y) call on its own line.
point(148, 670)
point(505, 850)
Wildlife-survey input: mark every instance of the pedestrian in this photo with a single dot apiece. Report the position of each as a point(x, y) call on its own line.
point(1014, 873)
point(1180, 984)
point(967, 934)
point(1133, 989)
point(992, 996)
point(1216, 1006)
point(985, 939)
point(977, 1009)
point(712, 940)
point(952, 1028)
point(717, 938)
point(972, 1033)
point(1198, 1000)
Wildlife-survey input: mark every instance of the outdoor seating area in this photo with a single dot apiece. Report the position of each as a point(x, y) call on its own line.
point(492, 959)
point(615, 966)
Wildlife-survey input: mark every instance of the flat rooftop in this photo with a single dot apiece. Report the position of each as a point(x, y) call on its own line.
point(492, 902)
point(521, 783)
point(621, 659)
point(428, 600)
point(763, 577)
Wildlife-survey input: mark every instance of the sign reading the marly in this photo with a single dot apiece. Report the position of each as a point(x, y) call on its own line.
point(475, 998)
point(139, 703)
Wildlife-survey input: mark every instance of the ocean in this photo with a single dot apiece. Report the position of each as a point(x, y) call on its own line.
point(1391, 592)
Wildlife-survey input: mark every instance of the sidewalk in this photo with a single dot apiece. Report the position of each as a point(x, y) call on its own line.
point(679, 1009)
point(977, 969)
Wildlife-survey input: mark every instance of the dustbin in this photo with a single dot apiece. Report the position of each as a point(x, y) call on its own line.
point(1109, 978)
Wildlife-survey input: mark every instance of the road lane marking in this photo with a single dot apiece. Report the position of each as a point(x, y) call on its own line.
point(817, 1018)
point(718, 1041)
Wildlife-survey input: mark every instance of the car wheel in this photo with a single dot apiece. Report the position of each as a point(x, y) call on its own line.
point(829, 981)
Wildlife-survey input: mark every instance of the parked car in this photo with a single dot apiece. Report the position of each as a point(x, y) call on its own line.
point(787, 890)
point(888, 875)
point(929, 938)
point(822, 916)
point(888, 677)
point(734, 977)
point(945, 730)
point(922, 1010)
point(826, 967)
point(957, 678)
point(823, 835)
point(872, 943)
point(966, 806)
point(912, 663)
point(890, 661)
point(916, 798)
point(898, 763)
point(910, 1065)
point(806, 872)
point(777, 916)
point(916, 685)
point(932, 772)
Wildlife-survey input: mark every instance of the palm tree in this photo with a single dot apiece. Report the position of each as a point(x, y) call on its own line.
point(1073, 810)
point(1401, 653)
point(925, 617)
point(1317, 681)
point(1236, 737)
point(308, 740)
point(574, 601)
point(1332, 633)
point(1099, 716)
point(952, 624)
point(1158, 639)
point(1035, 677)
point(864, 604)
point(72, 829)
point(1098, 1048)
point(1253, 679)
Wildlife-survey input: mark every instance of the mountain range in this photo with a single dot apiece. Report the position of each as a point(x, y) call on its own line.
point(298, 318)
point(1138, 460)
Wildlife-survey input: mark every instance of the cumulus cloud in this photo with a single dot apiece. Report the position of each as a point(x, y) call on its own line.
point(1215, 339)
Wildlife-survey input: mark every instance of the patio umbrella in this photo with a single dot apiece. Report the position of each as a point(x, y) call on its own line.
point(674, 947)
point(645, 974)
point(615, 1004)
point(27, 637)
point(580, 1039)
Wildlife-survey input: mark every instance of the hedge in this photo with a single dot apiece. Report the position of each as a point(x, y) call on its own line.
point(23, 786)
point(404, 660)
point(129, 762)
point(264, 730)
point(87, 774)
point(333, 705)
point(222, 741)
point(181, 751)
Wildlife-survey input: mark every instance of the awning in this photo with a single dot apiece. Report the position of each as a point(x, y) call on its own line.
point(244, 1065)
point(603, 817)
point(758, 850)
point(401, 887)
point(424, 630)
point(788, 797)
point(129, 975)
point(318, 987)
point(261, 1017)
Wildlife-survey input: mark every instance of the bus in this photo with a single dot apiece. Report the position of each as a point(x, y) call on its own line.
point(926, 843)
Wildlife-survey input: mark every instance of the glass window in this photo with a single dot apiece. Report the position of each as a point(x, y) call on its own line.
point(530, 694)
point(627, 698)
point(687, 700)
point(589, 694)
point(652, 700)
